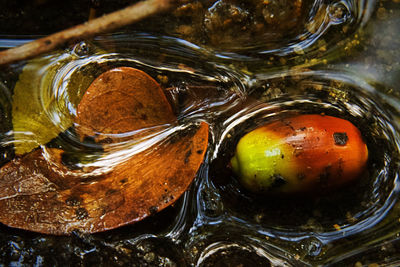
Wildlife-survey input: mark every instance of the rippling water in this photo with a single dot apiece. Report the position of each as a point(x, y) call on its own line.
point(336, 61)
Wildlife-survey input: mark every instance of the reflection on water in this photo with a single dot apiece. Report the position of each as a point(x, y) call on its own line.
point(233, 68)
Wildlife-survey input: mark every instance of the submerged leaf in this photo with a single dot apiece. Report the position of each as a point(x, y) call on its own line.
point(51, 199)
point(114, 104)
point(32, 123)
point(47, 90)
point(46, 196)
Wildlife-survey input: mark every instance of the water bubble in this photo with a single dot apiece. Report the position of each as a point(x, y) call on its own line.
point(312, 246)
point(81, 49)
point(338, 13)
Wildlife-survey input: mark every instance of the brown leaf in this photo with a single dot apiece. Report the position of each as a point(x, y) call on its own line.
point(122, 100)
point(50, 198)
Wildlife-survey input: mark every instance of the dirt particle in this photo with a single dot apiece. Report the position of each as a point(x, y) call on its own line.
point(340, 138)
point(73, 201)
point(187, 156)
point(81, 213)
point(278, 181)
point(111, 192)
point(153, 210)
point(106, 140)
point(167, 197)
point(298, 151)
point(325, 176)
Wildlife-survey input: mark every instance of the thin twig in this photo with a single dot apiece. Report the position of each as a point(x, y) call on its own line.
point(89, 29)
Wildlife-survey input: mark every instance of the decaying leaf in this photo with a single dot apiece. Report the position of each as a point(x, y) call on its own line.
point(48, 197)
point(34, 196)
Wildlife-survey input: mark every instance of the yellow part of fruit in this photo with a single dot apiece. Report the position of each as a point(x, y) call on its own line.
point(264, 162)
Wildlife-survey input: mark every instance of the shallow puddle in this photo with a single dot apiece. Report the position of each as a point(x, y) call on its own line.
point(234, 65)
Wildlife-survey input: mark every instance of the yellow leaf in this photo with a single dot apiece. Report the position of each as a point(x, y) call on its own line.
point(37, 115)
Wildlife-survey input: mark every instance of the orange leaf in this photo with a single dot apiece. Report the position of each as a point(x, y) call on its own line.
point(122, 100)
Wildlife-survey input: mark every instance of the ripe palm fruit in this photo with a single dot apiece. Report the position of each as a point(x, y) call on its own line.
point(302, 153)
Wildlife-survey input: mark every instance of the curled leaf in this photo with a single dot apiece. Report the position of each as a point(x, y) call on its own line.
point(34, 196)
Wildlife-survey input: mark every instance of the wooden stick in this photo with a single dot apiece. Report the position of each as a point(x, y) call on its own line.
point(103, 24)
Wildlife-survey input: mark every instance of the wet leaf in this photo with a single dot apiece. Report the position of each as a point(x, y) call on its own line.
point(48, 202)
point(38, 115)
point(31, 102)
point(113, 104)
point(48, 197)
